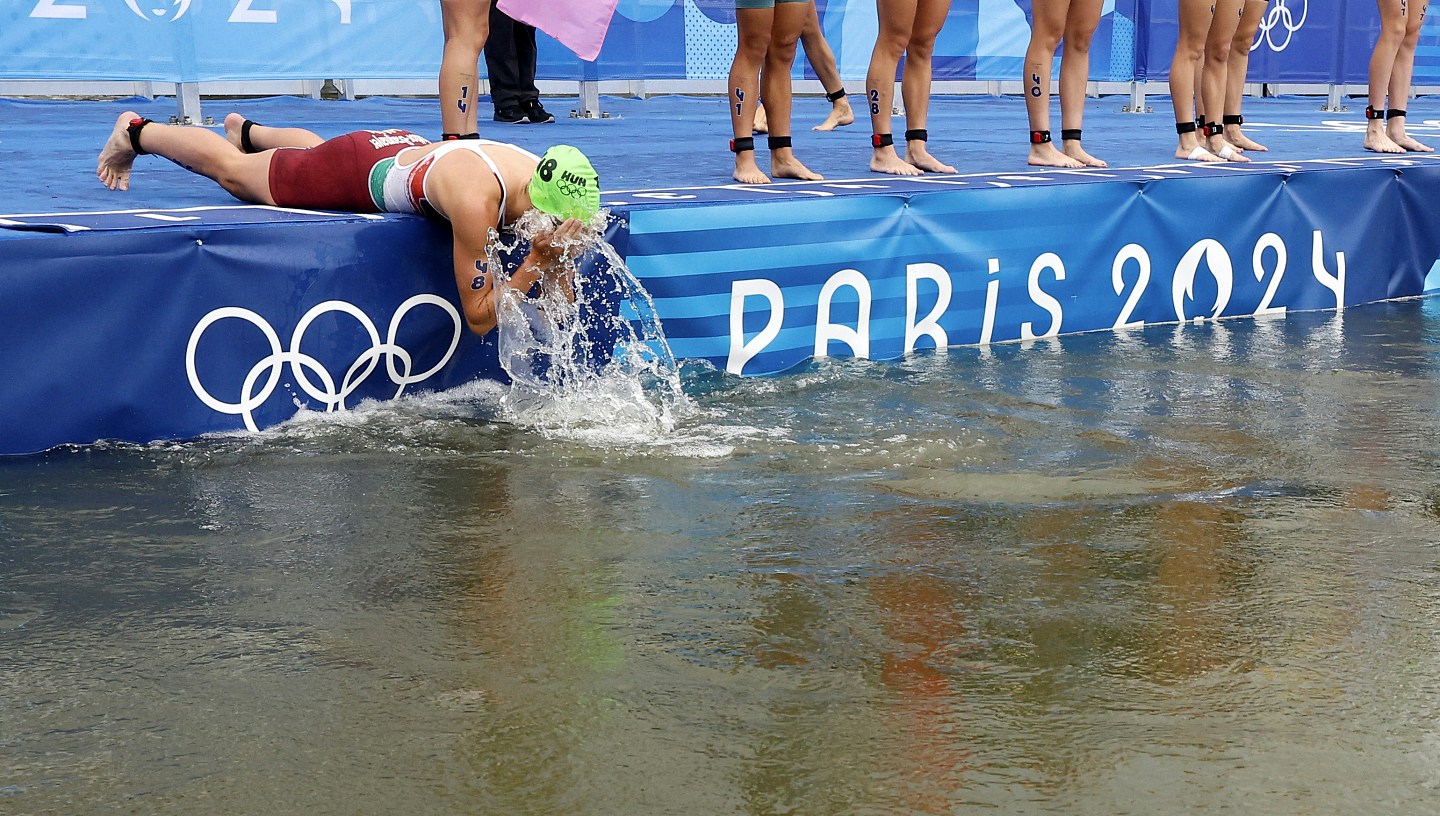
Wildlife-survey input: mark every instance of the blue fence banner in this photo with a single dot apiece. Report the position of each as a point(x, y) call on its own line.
point(1300, 41)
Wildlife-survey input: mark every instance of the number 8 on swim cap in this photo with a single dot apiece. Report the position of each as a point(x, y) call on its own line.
point(565, 184)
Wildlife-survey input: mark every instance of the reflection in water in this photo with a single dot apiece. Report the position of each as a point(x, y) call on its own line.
point(1186, 569)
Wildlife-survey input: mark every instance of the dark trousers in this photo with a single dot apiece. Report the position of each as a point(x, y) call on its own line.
point(510, 60)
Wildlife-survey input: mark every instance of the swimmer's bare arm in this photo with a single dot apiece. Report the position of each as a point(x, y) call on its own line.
point(547, 261)
point(476, 285)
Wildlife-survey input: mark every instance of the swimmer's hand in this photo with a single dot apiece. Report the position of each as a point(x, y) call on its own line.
point(554, 247)
point(555, 251)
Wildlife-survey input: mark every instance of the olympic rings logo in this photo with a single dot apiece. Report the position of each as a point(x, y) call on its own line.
point(1280, 19)
point(331, 394)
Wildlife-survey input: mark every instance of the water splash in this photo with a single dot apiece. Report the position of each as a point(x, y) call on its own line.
point(597, 370)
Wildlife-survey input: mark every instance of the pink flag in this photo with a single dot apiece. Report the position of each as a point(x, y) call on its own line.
point(579, 25)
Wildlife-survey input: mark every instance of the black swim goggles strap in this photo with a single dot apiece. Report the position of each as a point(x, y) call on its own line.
point(134, 128)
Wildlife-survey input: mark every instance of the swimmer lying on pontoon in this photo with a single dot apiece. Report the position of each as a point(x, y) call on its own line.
point(476, 185)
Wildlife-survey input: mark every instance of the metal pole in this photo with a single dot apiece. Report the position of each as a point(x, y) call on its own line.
point(187, 99)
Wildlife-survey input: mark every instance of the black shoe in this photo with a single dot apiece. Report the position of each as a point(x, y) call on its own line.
point(511, 116)
point(537, 114)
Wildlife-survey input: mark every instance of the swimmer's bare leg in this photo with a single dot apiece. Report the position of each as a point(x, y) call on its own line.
point(762, 125)
point(197, 149)
point(265, 138)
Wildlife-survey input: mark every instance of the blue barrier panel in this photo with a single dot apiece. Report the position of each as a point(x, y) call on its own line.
point(754, 291)
point(116, 326)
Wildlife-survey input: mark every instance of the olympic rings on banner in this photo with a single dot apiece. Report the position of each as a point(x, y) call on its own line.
point(329, 393)
point(1280, 19)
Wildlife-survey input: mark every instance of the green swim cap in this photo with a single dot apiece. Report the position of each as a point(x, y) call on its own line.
point(565, 184)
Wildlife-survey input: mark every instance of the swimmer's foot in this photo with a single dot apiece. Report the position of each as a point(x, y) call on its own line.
point(1073, 149)
point(117, 156)
point(1404, 140)
point(919, 157)
point(1240, 140)
point(762, 124)
point(790, 167)
point(840, 116)
point(885, 160)
point(1378, 141)
point(1221, 147)
point(747, 171)
point(238, 132)
point(1045, 155)
point(1195, 153)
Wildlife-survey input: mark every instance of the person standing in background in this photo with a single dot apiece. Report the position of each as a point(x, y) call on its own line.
point(768, 31)
point(908, 28)
point(1074, 22)
point(1391, 66)
point(466, 25)
point(510, 61)
point(1213, 87)
point(1238, 66)
point(822, 61)
point(1195, 18)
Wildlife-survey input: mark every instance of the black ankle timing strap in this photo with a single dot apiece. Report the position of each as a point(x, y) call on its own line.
point(777, 142)
point(1371, 113)
point(450, 137)
point(742, 144)
point(1070, 135)
point(133, 129)
point(835, 96)
point(878, 140)
point(1184, 127)
point(1039, 137)
point(1232, 119)
point(1214, 128)
point(1395, 113)
point(917, 135)
point(245, 144)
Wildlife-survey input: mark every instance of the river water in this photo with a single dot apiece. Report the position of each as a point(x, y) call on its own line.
point(1191, 569)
